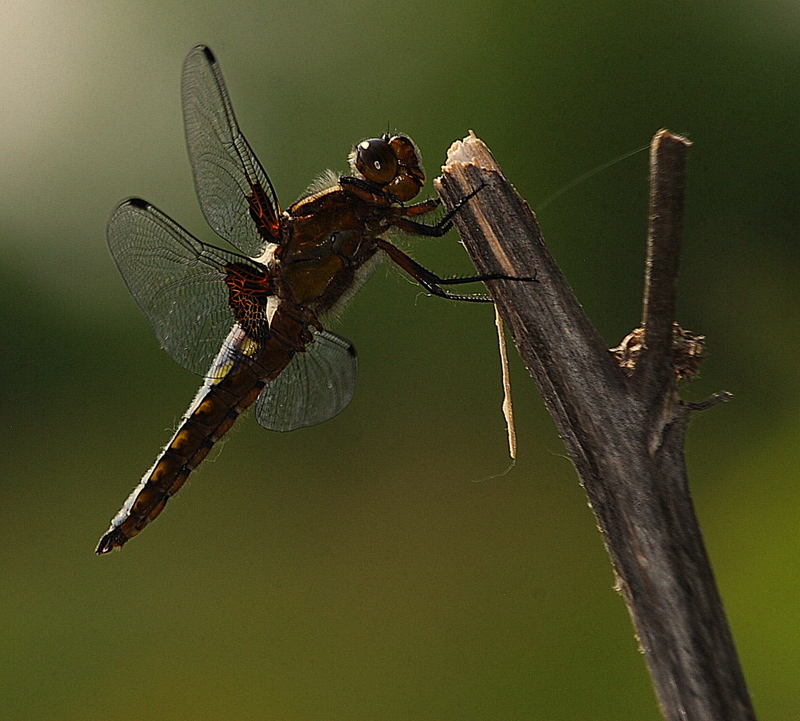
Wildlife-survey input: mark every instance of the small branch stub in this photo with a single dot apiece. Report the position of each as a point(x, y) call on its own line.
point(667, 184)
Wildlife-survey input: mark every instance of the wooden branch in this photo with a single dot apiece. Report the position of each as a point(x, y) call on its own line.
point(624, 430)
point(655, 368)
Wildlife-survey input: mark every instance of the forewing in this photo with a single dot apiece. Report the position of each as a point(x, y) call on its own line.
point(177, 281)
point(317, 384)
point(235, 193)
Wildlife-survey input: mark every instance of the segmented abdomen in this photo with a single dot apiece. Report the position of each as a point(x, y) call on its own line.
point(235, 380)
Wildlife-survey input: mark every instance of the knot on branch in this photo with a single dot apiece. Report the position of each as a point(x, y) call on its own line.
point(688, 352)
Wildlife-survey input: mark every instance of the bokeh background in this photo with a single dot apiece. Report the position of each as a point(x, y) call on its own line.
point(370, 568)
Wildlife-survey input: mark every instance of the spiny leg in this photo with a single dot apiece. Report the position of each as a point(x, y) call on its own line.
point(431, 231)
point(432, 282)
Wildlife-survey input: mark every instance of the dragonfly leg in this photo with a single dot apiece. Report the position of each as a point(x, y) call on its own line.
point(432, 282)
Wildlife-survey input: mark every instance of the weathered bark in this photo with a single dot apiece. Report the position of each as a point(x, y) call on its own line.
point(621, 420)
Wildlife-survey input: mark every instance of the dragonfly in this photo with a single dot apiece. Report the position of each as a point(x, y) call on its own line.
point(251, 321)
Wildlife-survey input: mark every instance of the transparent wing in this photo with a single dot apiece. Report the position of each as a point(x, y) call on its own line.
point(317, 384)
point(177, 281)
point(235, 193)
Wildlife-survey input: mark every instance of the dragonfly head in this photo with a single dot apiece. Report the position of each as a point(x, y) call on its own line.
point(393, 163)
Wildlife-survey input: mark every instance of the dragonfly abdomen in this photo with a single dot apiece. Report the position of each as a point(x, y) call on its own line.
point(211, 415)
point(217, 405)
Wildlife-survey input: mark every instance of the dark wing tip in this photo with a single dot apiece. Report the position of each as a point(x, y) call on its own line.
point(135, 202)
point(207, 52)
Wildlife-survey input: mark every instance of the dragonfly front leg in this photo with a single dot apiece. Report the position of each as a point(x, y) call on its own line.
point(433, 231)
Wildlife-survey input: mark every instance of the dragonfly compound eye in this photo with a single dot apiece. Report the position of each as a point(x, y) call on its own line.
point(376, 160)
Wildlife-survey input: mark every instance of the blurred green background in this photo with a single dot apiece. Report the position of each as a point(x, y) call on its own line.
point(363, 569)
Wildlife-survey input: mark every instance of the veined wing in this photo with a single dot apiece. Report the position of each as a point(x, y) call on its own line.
point(235, 193)
point(177, 281)
point(317, 384)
